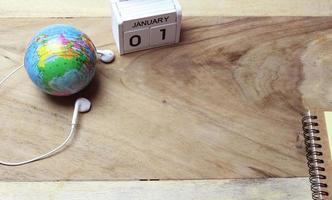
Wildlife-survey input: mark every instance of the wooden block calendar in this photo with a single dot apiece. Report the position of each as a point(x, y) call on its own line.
point(144, 24)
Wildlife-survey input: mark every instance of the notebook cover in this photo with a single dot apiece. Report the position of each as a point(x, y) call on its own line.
point(325, 134)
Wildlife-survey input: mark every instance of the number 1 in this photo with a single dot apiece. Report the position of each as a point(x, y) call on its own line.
point(163, 31)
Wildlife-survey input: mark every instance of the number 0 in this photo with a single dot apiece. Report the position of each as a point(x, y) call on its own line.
point(138, 42)
point(163, 31)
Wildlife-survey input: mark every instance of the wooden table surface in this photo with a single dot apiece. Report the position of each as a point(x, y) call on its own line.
point(225, 103)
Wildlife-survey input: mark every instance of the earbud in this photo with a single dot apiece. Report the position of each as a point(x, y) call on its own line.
point(81, 105)
point(107, 56)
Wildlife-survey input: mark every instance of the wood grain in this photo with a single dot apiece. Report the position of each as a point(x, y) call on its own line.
point(101, 8)
point(269, 189)
point(224, 103)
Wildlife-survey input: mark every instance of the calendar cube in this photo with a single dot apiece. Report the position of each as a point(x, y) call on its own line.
point(144, 24)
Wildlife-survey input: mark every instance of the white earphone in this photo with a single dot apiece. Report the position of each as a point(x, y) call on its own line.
point(81, 105)
point(107, 56)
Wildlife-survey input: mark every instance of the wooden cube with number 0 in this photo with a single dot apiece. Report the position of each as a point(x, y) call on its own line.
point(144, 24)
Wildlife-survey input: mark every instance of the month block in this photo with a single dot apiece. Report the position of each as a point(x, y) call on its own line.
point(144, 24)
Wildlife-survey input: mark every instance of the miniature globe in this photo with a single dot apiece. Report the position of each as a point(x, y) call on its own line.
point(60, 60)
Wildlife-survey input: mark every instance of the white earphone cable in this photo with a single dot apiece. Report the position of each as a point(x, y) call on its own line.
point(55, 150)
point(10, 74)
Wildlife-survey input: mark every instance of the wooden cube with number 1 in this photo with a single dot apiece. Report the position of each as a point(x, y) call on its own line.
point(144, 24)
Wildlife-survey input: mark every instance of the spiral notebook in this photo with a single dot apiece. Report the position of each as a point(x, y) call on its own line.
point(317, 129)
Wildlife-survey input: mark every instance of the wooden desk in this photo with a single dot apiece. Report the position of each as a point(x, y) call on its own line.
point(174, 113)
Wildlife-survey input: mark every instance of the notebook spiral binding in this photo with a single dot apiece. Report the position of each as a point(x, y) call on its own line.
point(314, 157)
